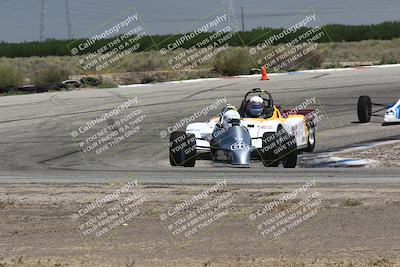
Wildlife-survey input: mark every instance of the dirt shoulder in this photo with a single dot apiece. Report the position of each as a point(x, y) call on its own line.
point(337, 225)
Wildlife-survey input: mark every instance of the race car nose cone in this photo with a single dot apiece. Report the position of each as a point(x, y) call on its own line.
point(390, 117)
point(240, 157)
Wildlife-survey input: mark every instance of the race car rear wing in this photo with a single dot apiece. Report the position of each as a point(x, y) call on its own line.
point(304, 112)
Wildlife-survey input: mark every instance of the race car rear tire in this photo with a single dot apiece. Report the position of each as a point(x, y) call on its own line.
point(364, 108)
point(290, 154)
point(310, 139)
point(182, 149)
point(269, 143)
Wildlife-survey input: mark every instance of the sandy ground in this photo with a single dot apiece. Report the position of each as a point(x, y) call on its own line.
point(38, 227)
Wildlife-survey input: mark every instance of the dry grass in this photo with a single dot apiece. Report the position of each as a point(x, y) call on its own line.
point(10, 75)
point(381, 51)
point(235, 61)
point(350, 203)
point(29, 66)
point(6, 203)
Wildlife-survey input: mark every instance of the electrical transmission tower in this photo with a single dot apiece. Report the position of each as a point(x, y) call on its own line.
point(43, 20)
point(69, 22)
point(231, 12)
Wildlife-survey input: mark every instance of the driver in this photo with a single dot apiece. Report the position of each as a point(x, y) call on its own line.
point(230, 118)
point(226, 108)
point(255, 107)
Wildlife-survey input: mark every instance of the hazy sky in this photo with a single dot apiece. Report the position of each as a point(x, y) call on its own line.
point(20, 19)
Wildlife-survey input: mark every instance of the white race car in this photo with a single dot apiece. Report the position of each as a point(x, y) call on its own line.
point(275, 137)
point(364, 110)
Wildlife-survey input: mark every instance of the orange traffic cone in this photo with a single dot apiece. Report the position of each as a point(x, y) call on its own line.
point(264, 75)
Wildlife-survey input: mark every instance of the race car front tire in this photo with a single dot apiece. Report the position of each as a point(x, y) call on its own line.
point(364, 108)
point(290, 155)
point(269, 143)
point(182, 149)
point(279, 146)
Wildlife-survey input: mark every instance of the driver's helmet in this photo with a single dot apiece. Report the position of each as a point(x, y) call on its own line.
point(230, 118)
point(228, 107)
point(255, 106)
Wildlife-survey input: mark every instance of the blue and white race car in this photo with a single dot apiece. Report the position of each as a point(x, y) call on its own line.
point(364, 110)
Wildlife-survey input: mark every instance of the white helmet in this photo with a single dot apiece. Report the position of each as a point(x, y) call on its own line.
point(255, 106)
point(228, 107)
point(230, 117)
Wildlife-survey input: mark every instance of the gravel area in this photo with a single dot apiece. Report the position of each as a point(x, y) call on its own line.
point(386, 155)
point(353, 225)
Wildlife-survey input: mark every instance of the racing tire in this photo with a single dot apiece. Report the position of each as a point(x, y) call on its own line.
point(310, 139)
point(182, 149)
point(273, 163)
point(290, 153)
point(213, 153)
point(364, 108)
point(269, 143)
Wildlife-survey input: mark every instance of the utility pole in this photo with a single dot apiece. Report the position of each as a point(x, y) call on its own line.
point(43, 21)
point(242, 20)
point(69, 22)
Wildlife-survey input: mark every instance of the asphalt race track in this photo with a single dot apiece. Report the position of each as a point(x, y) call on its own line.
point(37, 146)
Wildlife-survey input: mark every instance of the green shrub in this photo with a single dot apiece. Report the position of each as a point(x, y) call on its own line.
point(10, 76)
point(389, 59)
point(235, 62)
point(312, 60)
point(107, 84)
point(350, 203)
point(51, 74)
